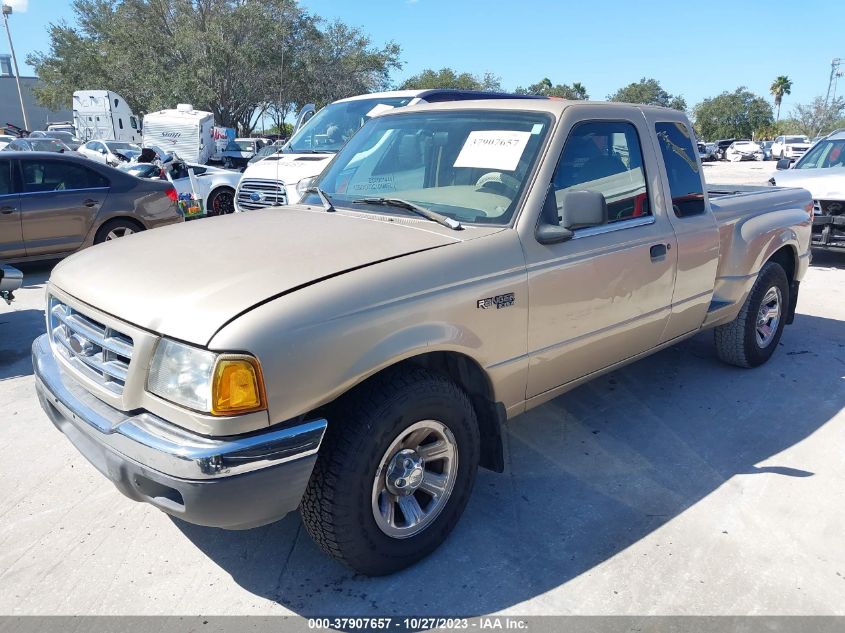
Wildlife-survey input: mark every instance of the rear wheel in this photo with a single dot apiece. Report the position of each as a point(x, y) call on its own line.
point(751, 338)
point(114, 229)
point(394, 473)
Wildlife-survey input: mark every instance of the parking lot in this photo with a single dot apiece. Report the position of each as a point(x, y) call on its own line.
point(677, 485)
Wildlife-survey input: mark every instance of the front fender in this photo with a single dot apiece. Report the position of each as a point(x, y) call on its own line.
point(318, 342)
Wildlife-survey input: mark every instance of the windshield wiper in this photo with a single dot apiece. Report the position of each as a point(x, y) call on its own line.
point(415, 208)
point(324, 198)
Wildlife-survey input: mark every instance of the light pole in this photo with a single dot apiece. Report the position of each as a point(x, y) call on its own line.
point(7, 11)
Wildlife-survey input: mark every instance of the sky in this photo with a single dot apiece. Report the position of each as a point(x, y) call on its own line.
point(694, 48)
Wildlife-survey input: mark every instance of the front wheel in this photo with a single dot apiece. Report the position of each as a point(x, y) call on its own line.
point(394, 473)
point(221, 202)
point(751, 338)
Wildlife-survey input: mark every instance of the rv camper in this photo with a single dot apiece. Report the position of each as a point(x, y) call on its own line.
point(104, 115)
point(185, 131)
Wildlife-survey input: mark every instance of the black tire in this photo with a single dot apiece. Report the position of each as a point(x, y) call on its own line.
point(737, 342)
point(338, 506)
point(221, 202)
point(124, 226)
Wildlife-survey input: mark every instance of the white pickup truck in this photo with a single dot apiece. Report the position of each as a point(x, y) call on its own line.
point(356, 355)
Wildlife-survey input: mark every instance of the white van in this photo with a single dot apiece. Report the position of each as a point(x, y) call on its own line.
point(273, 181)
point(104, 115)
point(187, 132)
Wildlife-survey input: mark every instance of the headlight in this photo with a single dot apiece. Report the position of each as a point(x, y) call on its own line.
point(220, 384)
point(303, 184)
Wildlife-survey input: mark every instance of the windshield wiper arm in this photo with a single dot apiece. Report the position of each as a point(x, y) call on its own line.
point(415, 208)
point(324, 198)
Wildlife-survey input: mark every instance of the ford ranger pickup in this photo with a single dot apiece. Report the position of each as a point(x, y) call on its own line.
point(356, 355)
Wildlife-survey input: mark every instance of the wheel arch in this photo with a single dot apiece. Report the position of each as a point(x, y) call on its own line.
point(98, 227)
point(469, 375)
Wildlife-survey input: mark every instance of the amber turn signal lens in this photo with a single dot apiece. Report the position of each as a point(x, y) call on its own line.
point(238, 386)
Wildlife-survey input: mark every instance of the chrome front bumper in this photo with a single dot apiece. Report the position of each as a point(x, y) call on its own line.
point(232, 482)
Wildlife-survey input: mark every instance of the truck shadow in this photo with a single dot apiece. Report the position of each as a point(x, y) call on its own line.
point(588, 475)
point(829, 259)
point(18, 328)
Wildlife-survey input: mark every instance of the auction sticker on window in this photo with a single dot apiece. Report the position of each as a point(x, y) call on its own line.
point(493, 149)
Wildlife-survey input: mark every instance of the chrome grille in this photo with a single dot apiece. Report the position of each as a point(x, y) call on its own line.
point(260, 194)
point(96, 351)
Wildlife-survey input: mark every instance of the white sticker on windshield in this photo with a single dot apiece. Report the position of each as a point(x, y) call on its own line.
point(379, 108)
point(493, 149)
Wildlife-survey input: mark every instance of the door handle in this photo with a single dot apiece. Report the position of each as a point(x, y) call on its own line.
point(7, 210)
point(658, 252)
point(90, 203)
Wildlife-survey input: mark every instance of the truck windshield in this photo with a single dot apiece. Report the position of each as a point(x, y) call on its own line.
point(796, 139)
point(823, 154)
point(471, 166)
point(329, 129)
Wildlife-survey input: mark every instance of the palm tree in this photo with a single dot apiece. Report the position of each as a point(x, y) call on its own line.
point(780, 86)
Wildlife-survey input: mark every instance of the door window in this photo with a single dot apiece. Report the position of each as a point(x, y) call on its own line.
point(681, 168)
point(605, 156)
point(5, 177)
point(41, 176)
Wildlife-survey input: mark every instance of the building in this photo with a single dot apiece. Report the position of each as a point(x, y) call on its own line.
point(10, 108)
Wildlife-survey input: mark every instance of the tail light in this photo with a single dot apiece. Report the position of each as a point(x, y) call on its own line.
point(811, 209)
point(171, 193)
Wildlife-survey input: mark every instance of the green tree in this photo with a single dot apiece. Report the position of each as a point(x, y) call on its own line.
point(817, 117)
point(781, 86)
point(544, 88)
point(449, 78)
point(734, 114)
point(648, 92)
point(232, 57)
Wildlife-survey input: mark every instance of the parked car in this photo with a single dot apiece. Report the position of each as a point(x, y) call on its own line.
point(54, 204)
point(766, 146)
point(264, 152)
point(722, 146)
point(65, 137)
point(37, 145)
point(10, 280)
point(360, 363)
point(110, 152)
point(5, 139)
point(791, 147)
point(743, 150)
point(240, 151)
point(283, 177)
point(215, 186)
point(821, 171)
point(707, 151)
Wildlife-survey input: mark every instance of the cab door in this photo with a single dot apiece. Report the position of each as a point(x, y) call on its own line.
point(59, 202)
point(11, 236)
point(604, 295)
point(696, 231)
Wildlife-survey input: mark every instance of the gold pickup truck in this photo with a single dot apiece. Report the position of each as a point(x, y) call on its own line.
point(356, 355)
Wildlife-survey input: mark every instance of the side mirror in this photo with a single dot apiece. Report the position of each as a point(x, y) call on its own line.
point(580, 209)
point(783, 163)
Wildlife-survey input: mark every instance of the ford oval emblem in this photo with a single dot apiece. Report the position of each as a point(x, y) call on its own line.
point(81, 345)
point(256, 196)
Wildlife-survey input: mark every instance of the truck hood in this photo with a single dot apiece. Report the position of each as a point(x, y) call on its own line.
point(823, 184)
point(187, 280)
point(289, 168)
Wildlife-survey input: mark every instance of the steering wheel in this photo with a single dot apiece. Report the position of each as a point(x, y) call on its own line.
point(499, 183)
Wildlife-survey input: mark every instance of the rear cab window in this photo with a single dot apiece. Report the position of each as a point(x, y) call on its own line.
point(682, 168)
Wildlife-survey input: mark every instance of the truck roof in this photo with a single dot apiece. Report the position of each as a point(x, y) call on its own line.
point(437, 94)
